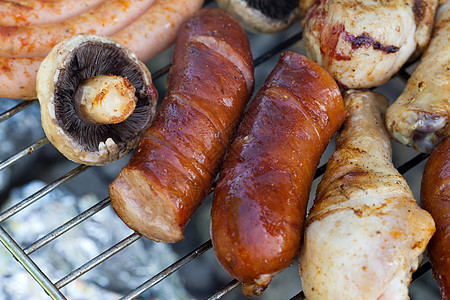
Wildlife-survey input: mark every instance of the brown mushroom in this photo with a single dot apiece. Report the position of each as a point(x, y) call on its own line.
point(96, 98)
point(263, 16)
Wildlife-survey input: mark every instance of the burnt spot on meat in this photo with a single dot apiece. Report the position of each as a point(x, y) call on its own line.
point(330, 38)
point(329, 41)
point(365, 40)
point(419, 10)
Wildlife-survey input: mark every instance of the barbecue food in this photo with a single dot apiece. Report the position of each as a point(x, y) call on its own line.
point(365, 233)
point(435, 198)
point(263, 189)
point(146, 36)
point(363, 43)
point(263, 16)
point(105, 19)
point(420, 116)
point(34, 12)
point(174, 165)
point(89, 115)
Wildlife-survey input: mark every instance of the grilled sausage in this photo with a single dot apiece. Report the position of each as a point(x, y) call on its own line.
point(261, 196)
point(36, 41)
point(176, 160)
point(435, 198)
point(35, 12)
point(149, 35)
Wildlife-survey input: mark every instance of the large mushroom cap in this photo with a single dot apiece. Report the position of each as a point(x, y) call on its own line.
point(263, 16)
point(68, 67)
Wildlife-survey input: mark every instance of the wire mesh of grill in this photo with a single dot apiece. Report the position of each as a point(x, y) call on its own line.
point(266, 51)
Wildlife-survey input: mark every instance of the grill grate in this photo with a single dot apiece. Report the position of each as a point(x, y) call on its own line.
point(53, 288)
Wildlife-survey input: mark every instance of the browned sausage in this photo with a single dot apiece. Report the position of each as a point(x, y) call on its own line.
point(435, 198)
point(105, 19)
point(174, 165)
point(260, 200)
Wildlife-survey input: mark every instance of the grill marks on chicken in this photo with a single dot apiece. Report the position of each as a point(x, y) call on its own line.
point(365, 233)
point(363, 43)
point(420, 116)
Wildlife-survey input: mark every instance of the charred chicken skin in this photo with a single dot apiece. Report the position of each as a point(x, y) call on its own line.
point(363, 43)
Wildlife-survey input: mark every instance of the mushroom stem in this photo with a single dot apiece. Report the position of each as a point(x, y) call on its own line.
point(105, 99)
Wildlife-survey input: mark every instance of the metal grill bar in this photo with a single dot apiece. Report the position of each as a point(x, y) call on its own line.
point(225, 290)
point(19, 107)
point(278, 48)
point(29, 265)
point(412, 163)
point(67, 226)
point(53, 289)
point(97, 260)
point(42, 192)
point(299, 296)
point(21, 154)
point(169, 270)
point(425, 267)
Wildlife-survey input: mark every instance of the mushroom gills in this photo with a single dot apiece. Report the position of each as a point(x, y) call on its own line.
point(263, 16)
point(94, 59)
point(96, 97)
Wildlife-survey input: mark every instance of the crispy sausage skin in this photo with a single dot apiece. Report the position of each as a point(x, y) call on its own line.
point(174, 165)
point(435, 198)
point(260, 199)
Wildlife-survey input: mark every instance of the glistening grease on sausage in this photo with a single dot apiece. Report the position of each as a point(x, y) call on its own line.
point(261, 196)
point(174, 165)
point(147, 36)
point(105, 19)
point(435, 198)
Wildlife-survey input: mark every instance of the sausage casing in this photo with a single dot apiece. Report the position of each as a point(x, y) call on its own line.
point(435, 198)
point(174, 165)
point(261, 196)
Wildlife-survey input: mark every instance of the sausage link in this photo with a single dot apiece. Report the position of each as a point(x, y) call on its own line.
point(36, 41)
point(176, 160)
point(155, 30)
point(435, 198)
point(38, 12)
point(149, 35)
point(260, 200)
point(18, 77)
